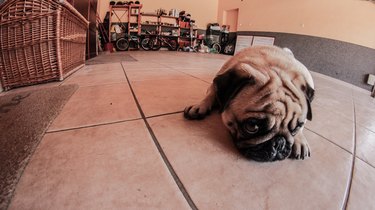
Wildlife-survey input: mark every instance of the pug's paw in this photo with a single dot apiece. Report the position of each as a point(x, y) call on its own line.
point(301, 149)
point(197, 112)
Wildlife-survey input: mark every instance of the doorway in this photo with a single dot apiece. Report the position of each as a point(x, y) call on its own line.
point(230, 17)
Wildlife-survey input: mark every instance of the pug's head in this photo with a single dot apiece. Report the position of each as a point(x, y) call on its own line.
point(264, 99)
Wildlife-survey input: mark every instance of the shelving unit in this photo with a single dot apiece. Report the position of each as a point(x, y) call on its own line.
point(130, 16)
point(132, 19)
point(160, 27)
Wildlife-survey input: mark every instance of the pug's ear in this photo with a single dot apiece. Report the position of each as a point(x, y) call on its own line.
point(229, 83)
point(309, 94)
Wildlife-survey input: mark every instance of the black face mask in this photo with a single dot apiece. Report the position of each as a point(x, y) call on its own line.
point(277, 148)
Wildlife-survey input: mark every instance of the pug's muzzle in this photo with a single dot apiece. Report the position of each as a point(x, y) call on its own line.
point(278, 148)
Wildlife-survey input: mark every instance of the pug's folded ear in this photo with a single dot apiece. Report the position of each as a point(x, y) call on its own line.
point(229, 83)
point(309, 94)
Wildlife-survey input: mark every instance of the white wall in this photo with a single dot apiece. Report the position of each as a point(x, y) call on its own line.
point(345, 20)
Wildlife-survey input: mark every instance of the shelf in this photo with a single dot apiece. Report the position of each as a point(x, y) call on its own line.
point(171, 36)
point(183, 37)
point(169, 26)
point(143, 34)
point(149, 24)
point(171, 17)
point(185, 28)
point(136, 6)
point(149, 15)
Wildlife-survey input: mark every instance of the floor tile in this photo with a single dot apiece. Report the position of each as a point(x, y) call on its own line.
point(142, 65)
point(170, 95)
point(322, 81)
point(101, 69)
point(206, 74)
point(365, 115)
point(101, 74)
point(362, 190)
point(363, 97)
point(365, 145)
point(152, 74)
point(332, 126)
point(97, 105)
point(104, 167)
point(216, 177)
point(340, 103)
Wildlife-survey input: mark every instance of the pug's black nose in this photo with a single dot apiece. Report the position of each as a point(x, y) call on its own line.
point(278, 148)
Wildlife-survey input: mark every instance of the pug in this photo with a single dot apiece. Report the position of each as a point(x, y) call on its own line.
point(264, 96)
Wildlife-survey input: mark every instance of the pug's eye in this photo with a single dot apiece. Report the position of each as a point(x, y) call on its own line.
point(251, 126)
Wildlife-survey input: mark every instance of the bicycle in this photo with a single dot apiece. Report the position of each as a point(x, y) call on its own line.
point(123, 43)
point(155, 43)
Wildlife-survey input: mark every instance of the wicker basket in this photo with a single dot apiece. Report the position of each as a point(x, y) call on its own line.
point(40, 41)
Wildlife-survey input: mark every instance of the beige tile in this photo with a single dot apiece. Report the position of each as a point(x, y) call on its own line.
point(151, 74)
point(100, 74)
point(363, 97)
point(105, 167)
point(216, 177)
point(101, 69)
point(365, 115)
point(147, 65)
point(205, 74)
point(97, 105)
point(338, 102)
point(365, 145)
point(324, 81)
point(327, 123)
point(362, 190)
point(170, 95)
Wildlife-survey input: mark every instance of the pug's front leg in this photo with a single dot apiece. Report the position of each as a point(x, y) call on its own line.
point(301, 149)
point(199, 111)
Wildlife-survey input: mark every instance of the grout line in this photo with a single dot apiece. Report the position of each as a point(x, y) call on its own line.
point(91, 126)
point(194, 77)
point(328, 140)
point(166, 114)
point(161, 152)
point(365, 161)
point(185, 73)
point(350, 180)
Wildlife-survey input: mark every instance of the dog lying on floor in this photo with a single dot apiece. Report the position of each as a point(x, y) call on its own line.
point(263, 94)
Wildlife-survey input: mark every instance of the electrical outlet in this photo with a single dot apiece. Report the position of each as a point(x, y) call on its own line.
point(371, 79)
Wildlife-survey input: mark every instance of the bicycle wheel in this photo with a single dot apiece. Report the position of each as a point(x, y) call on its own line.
point(145, 44)
point(216, 47)
point(173, 45)
point(122, 44)
point(155, 44)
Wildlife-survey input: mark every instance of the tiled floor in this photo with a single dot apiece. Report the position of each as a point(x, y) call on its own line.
point(110, 149)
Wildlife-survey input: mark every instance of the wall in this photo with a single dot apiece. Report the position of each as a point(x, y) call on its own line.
point(333, 37)
point(345, 20)
point(202, 11)
point(341, 60)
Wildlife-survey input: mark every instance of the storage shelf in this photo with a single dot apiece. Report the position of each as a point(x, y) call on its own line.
point(171, 17)
point(171, 36)
point(149, 15)
point(149, 24)
point(154, 18)
point(169, 26)
point(184, 37)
